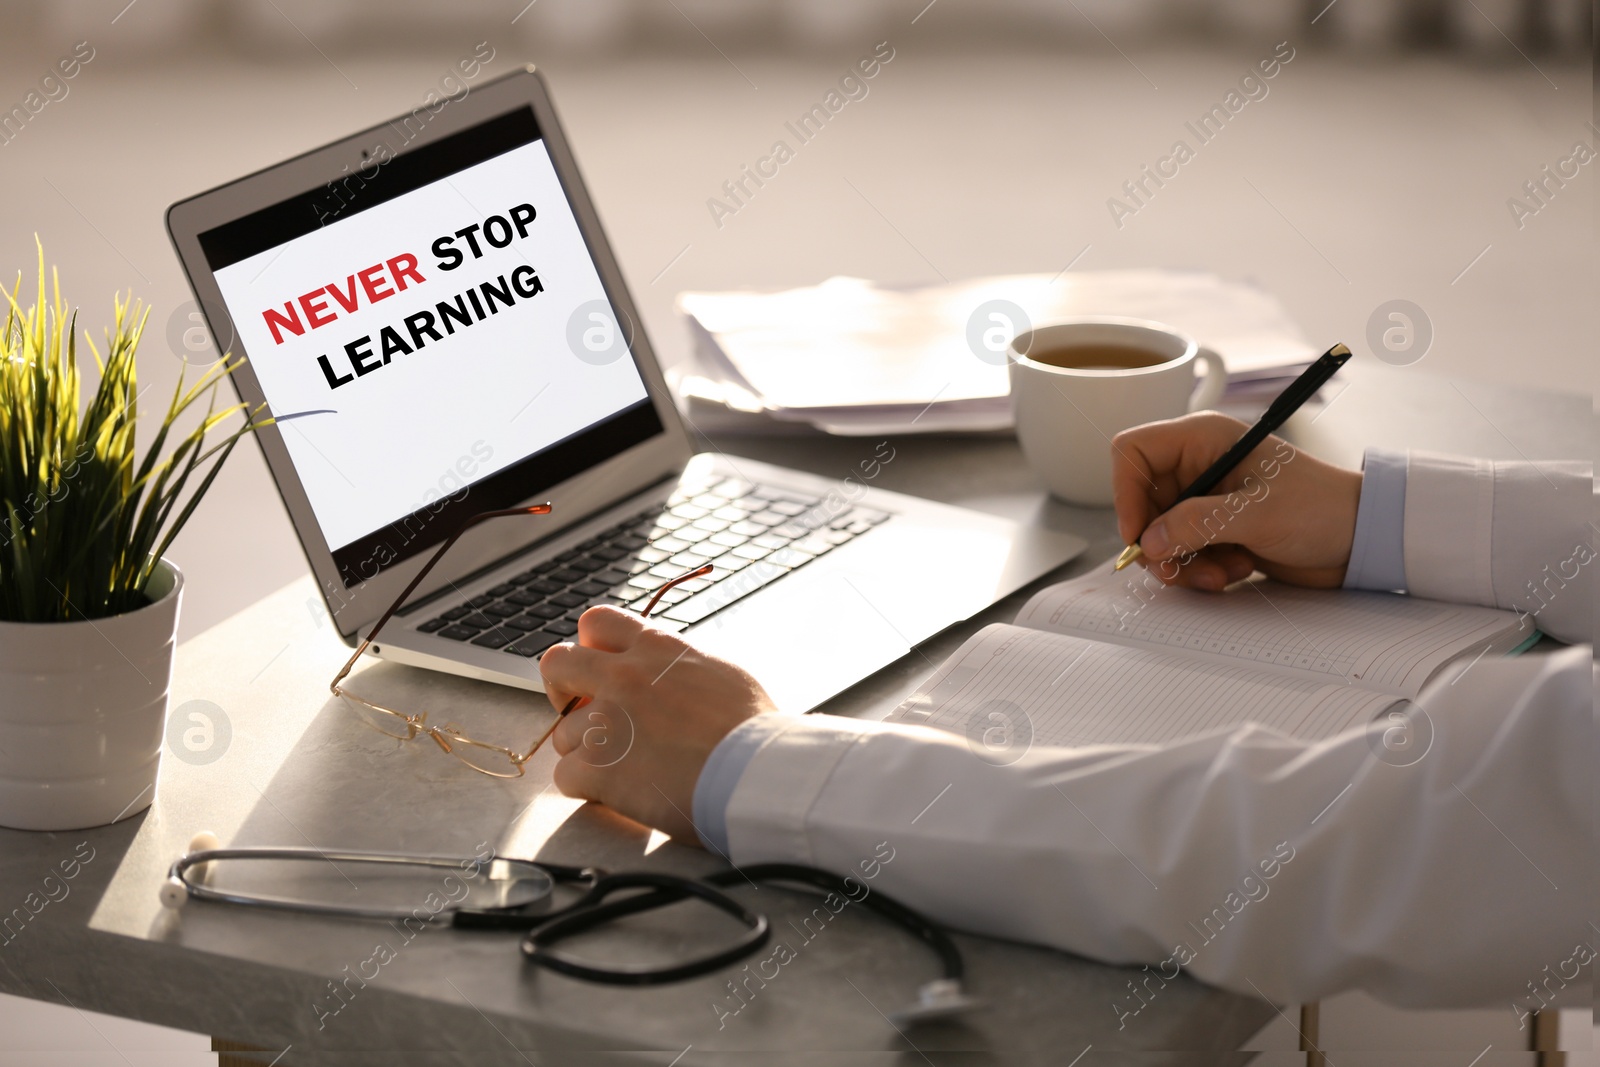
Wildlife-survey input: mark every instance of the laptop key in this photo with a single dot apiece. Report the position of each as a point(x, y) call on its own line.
point(494, 639)
point(732, 488)
point(609, 553)
point(566, 575)
point(569, 600)
point(503, 588)
point(631, 543)
point(480, 601)
point(434, 624)
point(545, 612)
point(546, 586)
point(561, 628)
point(789, 557)
point(815, 544)
point(455, 613)
point(703, 605)
point(527, 600)
point(591, 588)
point(524, 623)
point(503, 610)
point(610, 576)
point(588, 565)
point(531, 644)
point(477, 620)
point(458, 633)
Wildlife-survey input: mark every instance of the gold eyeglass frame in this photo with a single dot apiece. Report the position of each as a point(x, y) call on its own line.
point(449, 736)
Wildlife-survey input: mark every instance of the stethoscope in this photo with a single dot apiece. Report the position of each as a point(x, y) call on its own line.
point(503, 894)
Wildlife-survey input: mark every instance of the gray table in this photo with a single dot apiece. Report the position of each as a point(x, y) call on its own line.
point(296, 771)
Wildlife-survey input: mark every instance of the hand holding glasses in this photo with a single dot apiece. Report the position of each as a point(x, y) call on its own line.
point(495, 760)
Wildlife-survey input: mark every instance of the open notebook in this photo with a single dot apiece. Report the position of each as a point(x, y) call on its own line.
point(1106, 658)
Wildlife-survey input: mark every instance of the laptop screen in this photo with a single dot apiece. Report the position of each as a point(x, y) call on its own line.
point(433, 337)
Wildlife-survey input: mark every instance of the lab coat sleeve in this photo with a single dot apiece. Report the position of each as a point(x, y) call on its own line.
point(1504, 535)
point(1260, 863)
point(1256, 862)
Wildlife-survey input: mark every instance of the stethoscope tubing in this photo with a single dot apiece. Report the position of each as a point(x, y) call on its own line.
point(592, 909)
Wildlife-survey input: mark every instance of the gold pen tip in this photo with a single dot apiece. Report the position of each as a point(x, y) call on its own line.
point(1129, 554)
point(1339, 350)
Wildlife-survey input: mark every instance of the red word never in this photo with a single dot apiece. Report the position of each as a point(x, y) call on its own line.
point(316, 304)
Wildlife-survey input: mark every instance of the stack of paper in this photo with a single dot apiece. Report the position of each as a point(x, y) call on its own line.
point(855, 357)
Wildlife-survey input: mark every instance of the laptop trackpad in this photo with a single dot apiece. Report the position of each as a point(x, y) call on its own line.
point(808, 640)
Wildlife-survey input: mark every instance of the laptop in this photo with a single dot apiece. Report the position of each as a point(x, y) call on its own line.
point(432, 314)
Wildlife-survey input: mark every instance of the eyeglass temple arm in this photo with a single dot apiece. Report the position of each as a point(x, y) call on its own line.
point(533, 509)
point(698, 572)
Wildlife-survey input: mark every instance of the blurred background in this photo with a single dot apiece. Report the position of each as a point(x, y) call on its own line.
point(1383, 163)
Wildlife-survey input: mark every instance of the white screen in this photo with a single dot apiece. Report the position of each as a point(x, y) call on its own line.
point(425, 423)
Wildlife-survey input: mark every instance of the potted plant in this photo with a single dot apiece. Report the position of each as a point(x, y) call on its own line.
point(88, 601)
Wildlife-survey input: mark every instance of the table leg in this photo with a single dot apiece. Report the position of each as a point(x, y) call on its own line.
point(1310, 1036)
point(1544, 1040)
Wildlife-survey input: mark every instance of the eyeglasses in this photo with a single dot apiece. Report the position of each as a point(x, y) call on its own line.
point(497, 761)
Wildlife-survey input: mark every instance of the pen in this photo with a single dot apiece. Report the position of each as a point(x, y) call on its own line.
point(1288, 402)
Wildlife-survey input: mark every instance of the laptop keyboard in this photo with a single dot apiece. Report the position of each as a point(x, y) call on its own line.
point(751, 534)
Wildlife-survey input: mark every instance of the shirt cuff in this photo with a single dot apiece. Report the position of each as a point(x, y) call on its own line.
point(1377, 553)
point(721, 774)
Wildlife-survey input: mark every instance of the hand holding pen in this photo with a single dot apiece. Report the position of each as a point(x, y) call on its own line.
point(1204, 500)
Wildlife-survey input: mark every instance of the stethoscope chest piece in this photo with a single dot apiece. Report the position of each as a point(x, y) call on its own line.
point(942, 998)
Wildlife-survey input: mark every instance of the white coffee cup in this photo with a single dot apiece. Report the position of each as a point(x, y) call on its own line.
point(1075, 385)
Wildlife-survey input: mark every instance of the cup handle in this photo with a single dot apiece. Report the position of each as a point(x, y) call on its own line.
point(1215, 381)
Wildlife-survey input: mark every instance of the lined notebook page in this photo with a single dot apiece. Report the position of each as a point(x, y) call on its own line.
point(1059, 690)
point(1376, 640)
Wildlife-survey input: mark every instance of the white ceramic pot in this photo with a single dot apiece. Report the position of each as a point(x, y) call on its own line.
point(82, 710)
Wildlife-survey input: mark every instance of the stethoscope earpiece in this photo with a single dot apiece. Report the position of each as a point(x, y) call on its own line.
point(174, 892)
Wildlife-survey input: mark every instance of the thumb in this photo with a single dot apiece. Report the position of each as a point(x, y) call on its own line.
point(1205, 520)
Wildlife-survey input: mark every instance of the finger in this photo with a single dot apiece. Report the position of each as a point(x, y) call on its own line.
point(1201, 522)
point(1194, 573)
point(1151, 464)
point(1237, 562)
point(1210, 570)
point(572, 670)
point(608, 629)
point(569, 731)
point(576, 778)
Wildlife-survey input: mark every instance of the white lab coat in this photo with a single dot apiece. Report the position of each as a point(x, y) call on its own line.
point(1257, 862)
